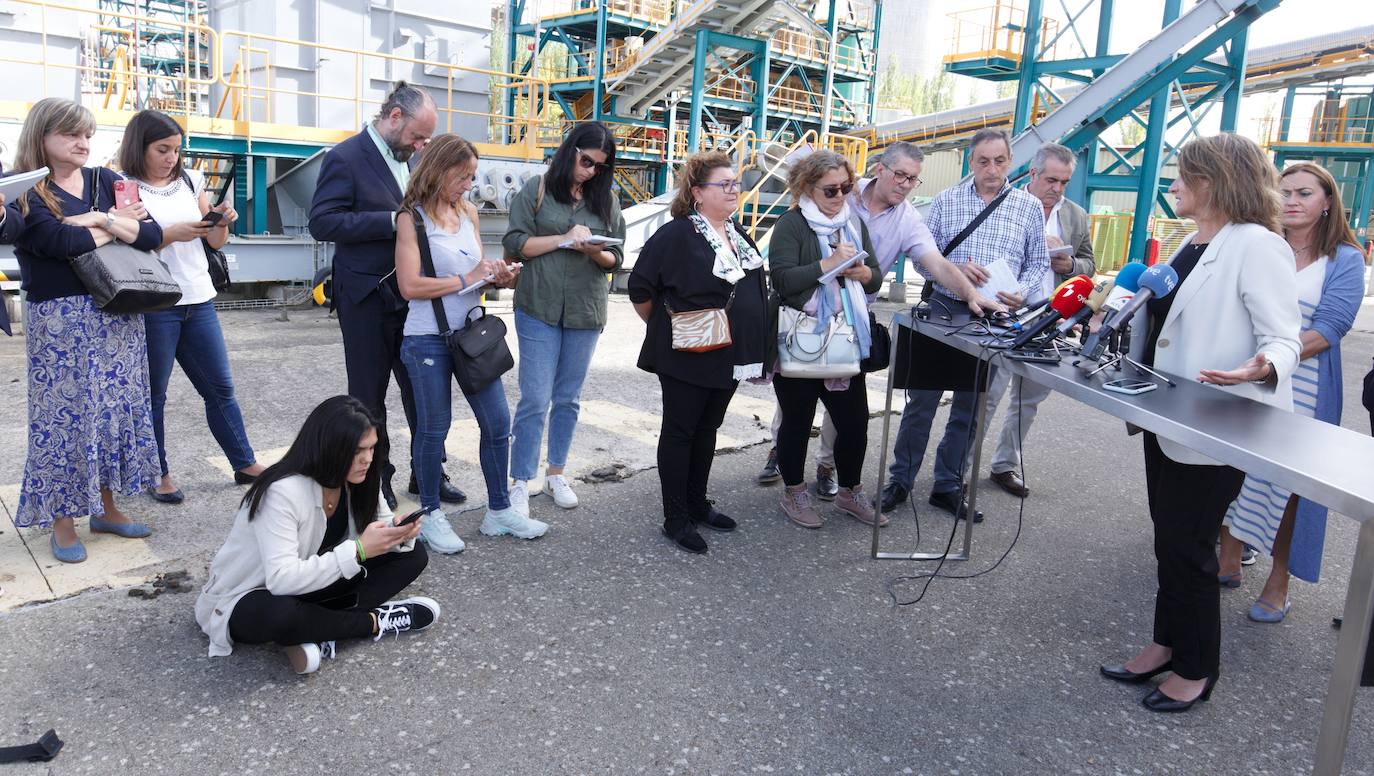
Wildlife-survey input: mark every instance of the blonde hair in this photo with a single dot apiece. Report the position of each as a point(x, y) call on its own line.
point(810, 169)
point(1331, 230)
point(50, 115)
point(441, 155)
point(1243, 185)
point(694, 172)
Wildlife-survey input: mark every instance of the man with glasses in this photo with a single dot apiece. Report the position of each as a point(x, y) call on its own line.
point(1013, 232)
point(896, 229)
point(1066, 224)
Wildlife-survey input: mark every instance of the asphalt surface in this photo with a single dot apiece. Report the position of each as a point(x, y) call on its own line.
point(601, 648)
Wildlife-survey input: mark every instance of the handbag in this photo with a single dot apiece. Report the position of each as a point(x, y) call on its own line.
point(880, 348)
point(701, 331)
point(802, 352)
point(122, 279)
point(479, 351)
point(216, 263)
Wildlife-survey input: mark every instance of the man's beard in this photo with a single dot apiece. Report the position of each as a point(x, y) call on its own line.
point(400, 153)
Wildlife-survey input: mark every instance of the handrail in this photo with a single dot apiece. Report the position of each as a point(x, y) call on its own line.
point(807, 137)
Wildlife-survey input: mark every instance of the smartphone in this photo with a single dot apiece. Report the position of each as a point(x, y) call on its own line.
point(126, 193)
point(212, 218)
point(1129, 386)
point(410, 518)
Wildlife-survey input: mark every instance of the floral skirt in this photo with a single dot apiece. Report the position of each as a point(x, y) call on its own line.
point(90, 415)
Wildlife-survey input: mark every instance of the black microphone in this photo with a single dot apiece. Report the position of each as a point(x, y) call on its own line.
point(1070, 297)
point(1157, 281)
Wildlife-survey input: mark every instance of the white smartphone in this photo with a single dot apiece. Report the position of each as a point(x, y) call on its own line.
point(1129, 386)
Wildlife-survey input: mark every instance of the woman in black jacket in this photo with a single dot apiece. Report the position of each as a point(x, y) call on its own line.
point(701, 260)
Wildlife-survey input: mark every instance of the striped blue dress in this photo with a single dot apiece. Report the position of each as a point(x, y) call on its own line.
point(1255, 515)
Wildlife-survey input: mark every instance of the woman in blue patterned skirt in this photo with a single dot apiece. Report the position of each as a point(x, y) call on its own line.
point(90, 424)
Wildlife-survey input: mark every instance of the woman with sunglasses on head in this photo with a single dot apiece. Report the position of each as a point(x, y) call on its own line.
point(820, 184)
point(555, 226)
point(699, 261)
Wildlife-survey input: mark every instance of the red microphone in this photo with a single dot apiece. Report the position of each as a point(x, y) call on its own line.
point(1068, 299)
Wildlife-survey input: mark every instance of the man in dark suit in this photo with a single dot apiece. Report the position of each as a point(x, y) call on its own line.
point(358, 193)
point(11, 226)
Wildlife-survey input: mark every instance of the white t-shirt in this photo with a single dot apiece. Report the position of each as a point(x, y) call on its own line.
point(173, 204)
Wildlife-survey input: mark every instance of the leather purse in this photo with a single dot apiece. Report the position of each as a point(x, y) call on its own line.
point(701, 331)
point(804, 352)
point(122, 279)
point(479, 351)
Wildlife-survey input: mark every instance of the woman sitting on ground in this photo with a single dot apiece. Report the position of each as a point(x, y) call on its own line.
point(314, 554)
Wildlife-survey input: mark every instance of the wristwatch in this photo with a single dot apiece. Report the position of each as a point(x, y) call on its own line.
point(109, 221)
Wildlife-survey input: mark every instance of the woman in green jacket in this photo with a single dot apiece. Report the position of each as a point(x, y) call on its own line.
point(819, 183)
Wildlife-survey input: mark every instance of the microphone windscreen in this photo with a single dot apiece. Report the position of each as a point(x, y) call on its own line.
point(1160, 279)
point(1118, 297)
point(1128, 277)
point(1071, 298)
point(1100, 293)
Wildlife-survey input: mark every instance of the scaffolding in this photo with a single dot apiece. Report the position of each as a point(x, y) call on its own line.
point(155, 54)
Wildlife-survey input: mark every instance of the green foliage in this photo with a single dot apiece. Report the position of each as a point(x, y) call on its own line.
point(913, 91)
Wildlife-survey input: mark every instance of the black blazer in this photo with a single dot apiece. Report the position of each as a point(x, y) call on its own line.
point(355, 198)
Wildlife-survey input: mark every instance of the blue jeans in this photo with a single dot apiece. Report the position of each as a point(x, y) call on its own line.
point(430, 367)
point(190, 336)
point(553, 365)
point(914, 433)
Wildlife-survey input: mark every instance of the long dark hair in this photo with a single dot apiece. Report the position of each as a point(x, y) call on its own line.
point(596, 192)
point(144, 129)
point(323, 451)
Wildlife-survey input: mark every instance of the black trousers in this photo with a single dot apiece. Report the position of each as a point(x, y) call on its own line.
point(847, 409)
point(1187, 505)
point(372, 355)
point(687, 446)
point(341, 611)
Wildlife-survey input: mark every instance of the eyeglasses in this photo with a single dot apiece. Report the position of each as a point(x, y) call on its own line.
point(901, 178)
point(831, 192)
point(729, 187)
point(587, 162)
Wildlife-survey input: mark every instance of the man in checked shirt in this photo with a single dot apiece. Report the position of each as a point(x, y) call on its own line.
point(1013, 233)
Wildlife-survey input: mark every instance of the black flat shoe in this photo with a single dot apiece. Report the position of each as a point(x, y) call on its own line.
point(894, 495)
point(175, 497)
point(241, 478)
point(1158, 701)
point(447, 492)
point(717, 521)
point(686, 538)
point(954, 504)
point(1121, 674)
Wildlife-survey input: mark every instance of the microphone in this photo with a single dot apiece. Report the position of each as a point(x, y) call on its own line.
point(1096, 300)
point(1157, 281)
point(1069, 299)
point(1040, 304)
point(1127, 283)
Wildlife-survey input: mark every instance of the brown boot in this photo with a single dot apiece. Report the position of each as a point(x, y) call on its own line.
point(855, 503)
point(796, 504)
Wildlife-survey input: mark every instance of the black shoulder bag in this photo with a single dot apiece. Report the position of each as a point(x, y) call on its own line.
point(120, 278)
point(216, 263)
point(479, 351)
point(880, 346)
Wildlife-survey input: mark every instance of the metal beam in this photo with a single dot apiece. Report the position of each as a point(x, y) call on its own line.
point(1029, 75)
point(1149, 167)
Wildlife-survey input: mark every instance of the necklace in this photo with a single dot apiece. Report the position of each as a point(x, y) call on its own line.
point(1303, 249)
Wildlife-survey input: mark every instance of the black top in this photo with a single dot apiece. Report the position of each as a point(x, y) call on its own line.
point(1158, 307)
point(47, 243)
point(336, 528)
point(675, 264)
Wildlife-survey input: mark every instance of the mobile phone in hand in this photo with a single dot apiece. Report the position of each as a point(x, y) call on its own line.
point(126, 193)
point(410, 518)
point(213, 217)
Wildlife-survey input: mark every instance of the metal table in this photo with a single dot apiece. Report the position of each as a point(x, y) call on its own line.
point(1313, 459)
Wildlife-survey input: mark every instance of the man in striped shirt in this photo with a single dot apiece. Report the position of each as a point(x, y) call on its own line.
point(1013, 233)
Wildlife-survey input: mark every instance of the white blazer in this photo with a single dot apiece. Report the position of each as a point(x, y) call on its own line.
point(1240, 299)
point(276, 551)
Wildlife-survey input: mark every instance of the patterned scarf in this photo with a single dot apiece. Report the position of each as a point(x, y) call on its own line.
point(729, 266)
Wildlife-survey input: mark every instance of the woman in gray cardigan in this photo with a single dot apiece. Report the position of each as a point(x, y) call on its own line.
point(314, 553)
point(819, 183)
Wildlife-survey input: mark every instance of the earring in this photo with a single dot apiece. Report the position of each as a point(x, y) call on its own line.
point(1323, 214)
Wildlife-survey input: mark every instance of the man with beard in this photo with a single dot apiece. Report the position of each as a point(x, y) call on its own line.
point(361, 183)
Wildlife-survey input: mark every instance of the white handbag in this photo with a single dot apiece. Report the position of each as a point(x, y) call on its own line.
point(804, 352)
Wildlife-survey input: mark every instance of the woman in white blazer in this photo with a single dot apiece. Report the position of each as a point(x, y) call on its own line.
point(1232, 323)
point(314, 553)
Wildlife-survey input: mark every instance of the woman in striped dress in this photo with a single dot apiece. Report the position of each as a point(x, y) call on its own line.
point(1330, 288)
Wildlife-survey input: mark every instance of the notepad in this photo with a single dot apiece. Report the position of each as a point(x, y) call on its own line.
point(595, 239)
point(1000, 278)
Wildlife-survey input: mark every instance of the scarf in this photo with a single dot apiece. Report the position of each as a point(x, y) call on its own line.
point(729, 266)
point(834, 296)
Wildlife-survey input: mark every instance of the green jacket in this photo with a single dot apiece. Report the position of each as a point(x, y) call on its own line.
point(794, 263)
point(564, 287)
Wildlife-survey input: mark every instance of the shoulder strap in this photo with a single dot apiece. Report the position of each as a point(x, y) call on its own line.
point(539, 199)
point(973, 225)
point(427, 265)
point(92, 188)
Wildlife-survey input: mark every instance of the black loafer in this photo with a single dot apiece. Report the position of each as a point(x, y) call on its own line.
point(1158, 701)
point(717, 521)
point(1121, 674)
point(686, 538)
point(894, 495)
point(447, 492)
point(175, 497)
point(953, 503)
point(240, 478)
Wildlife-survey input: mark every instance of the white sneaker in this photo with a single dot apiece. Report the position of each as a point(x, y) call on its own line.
point(305, 658)
point(556, 485)
point(499, 522)
point(438, 534)
point(520, 497)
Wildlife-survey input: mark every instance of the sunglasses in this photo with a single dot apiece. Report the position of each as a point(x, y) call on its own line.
point(586, 162)
point(831, 192)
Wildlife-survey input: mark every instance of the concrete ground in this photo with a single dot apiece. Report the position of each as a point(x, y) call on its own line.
point(600, 648)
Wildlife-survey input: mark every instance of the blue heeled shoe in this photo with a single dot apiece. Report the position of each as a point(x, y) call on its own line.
point(73, 554)
point(126, 530)
point(1262, 612)
point(1229, 580)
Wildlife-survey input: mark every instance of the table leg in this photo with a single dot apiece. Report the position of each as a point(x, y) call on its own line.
point(1350, 652)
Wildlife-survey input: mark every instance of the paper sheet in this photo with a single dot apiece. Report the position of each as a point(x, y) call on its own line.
point(851, 261)
point(595, 239)
point(1000, 278)
point(14, 186)
point(1066, 250)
